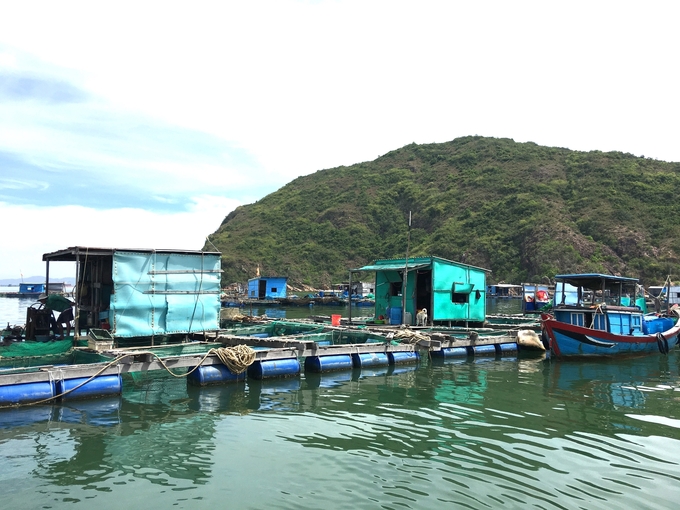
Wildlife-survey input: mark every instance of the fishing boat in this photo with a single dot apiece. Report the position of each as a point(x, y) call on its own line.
point(604, 315)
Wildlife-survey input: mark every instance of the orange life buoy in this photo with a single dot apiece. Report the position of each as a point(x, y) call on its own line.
point(542, 295)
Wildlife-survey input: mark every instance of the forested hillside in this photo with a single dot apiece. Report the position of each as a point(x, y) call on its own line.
point(524, 211)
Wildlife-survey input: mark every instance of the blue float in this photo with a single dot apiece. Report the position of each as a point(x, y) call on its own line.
point(397, 358)
point(328, 363)
point(370, 359)
point(274, 368)
point(26, 392)
point(450, 352)
point(484, 350)
point(92, 387)
point(505, 348)
point(214, 374)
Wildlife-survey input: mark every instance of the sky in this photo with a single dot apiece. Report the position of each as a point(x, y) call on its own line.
point(142, 124)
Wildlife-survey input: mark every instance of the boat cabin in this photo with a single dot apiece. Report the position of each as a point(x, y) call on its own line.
point(268, 287)
point(451, 292)
point(143, 293)
point(602, 302)
point(535, 296)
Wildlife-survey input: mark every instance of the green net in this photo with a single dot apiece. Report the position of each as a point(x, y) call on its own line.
point(30, 348)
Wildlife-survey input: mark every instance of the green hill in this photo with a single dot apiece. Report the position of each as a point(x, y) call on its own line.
point(524, 211)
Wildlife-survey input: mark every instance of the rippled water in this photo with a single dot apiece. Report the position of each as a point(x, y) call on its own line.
point(491, 433)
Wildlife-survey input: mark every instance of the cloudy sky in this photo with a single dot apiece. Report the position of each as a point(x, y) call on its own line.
point(143, 123)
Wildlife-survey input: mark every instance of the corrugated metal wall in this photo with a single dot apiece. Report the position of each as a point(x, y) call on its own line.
point(164, 293)
point(444, 276)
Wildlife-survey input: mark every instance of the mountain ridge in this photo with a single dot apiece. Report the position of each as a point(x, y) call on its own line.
point(524, 211)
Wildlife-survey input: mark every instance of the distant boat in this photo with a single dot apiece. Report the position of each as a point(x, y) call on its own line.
point(602, 315)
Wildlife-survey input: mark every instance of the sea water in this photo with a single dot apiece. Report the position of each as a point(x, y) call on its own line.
point(485, 433)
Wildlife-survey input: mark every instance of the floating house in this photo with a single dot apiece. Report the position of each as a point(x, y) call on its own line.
point(452, 292)
point(33, 290)
point(356, 290)
point(268, 287)
point(143, 293)
point(504, 290)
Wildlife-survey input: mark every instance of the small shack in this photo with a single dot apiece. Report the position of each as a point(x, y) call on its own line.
point(138, 292)
point(268, 287)
point(452, 292)
point(504, 290)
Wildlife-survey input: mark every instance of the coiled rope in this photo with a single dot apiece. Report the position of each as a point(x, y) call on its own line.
point(237, 359)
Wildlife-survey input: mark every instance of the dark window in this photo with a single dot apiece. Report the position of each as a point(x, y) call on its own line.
point(457, 297)
point(274, 289)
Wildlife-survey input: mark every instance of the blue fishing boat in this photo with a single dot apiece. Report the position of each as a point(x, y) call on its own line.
point(604, 315)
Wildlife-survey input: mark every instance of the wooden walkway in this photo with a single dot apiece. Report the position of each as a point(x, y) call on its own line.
point(275, 348)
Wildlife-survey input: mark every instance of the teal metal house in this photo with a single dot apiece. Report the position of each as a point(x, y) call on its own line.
point(451, 292)
point(267, 287)
point(144, 293)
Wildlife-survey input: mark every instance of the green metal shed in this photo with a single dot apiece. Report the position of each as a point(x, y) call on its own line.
point(451, 292)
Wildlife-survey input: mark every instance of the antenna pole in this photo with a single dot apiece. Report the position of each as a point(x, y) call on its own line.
point(404, 285)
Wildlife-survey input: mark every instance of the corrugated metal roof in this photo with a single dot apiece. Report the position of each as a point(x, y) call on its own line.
point(392, 267)
point(73, 253)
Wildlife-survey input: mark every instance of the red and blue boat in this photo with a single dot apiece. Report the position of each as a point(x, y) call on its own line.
point(603, 315)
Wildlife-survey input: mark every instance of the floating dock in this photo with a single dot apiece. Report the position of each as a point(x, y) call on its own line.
point(202, 361)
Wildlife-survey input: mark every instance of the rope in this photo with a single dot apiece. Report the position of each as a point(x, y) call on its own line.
point(237, 359)
point(409, 336)
point(598, 310)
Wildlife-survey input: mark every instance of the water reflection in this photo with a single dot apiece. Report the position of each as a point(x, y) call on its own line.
point(472, 433)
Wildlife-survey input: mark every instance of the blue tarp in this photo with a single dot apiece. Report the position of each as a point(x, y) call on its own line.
point(164, 293)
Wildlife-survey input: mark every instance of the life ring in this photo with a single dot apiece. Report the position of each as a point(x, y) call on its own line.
point(542, 295)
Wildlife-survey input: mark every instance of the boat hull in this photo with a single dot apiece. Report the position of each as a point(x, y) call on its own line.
point(569, 340)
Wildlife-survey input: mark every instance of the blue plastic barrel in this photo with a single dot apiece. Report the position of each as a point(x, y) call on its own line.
point(370, 359)
point(484, 350)
point(274, 368)
point(97, 387)
point(505, 348)
point(26, 392)
point(327, 363)
point(214, 374)
point(395, 315)
point(403, 357)
point(450, 352)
